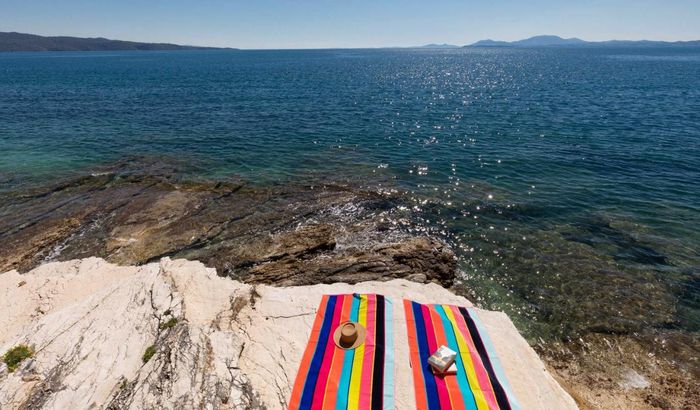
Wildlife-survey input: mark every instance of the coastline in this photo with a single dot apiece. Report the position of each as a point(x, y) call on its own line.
point(305, 234)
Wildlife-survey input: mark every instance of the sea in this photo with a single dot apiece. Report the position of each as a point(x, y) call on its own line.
point(567, 180)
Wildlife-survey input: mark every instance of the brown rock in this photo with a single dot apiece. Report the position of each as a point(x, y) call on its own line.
point(286, 235)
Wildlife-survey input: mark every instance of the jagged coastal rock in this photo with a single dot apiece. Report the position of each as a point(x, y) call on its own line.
point(174, 334)
point(283, 235)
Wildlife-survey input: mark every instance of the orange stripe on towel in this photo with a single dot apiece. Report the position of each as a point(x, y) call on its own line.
point(298, 388)
point(418, 382)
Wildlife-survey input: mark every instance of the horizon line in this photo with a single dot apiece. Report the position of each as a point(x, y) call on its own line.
point(346, 47)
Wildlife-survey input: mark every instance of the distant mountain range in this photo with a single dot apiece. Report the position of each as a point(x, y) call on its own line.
point(11, 41)
point(32, 42)
point(555, 41)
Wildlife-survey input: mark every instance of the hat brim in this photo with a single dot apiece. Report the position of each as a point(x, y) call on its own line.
point(361, 334)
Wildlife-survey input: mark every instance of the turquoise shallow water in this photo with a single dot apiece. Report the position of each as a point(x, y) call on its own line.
point(557, 174)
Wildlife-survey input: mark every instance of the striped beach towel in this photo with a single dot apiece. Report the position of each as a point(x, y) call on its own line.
point(334, 378)
point(479, 383)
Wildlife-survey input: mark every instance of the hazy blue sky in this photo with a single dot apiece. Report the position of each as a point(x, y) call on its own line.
point(351, 23)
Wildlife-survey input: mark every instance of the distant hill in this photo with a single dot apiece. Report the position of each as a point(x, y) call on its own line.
point(556, 41)
point(545, 41)
point(490, 43)
point(439, 46)
point(32, 42)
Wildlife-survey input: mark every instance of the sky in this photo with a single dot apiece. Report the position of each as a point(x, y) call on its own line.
point(278, 24)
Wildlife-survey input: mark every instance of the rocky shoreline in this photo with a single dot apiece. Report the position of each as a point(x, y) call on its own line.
point(307, 234)
point(286, 235)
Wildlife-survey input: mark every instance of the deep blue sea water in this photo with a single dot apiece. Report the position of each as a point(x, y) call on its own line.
point(545, 168)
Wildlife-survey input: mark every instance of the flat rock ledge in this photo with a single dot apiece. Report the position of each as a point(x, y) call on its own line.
point(216, 343)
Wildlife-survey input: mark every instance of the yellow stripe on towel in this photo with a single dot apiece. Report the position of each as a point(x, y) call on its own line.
point(354, 393)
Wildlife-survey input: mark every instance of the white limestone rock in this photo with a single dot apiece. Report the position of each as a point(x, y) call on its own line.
point(230, 345)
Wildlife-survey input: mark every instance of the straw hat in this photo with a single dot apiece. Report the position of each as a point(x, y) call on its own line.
point(349, 335)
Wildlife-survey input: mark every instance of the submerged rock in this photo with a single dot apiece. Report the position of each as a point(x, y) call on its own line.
point(618, 371)
point(211, 342)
